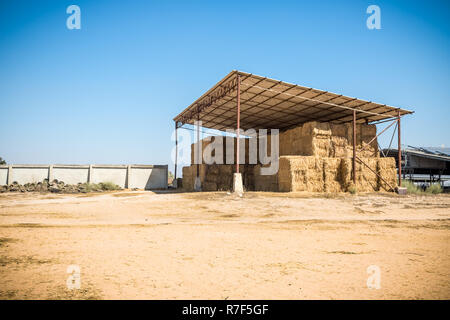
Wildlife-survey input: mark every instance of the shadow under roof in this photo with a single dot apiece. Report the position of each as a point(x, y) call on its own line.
point(273, 104)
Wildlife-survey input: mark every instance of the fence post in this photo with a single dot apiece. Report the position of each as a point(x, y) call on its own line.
point(89, 177)
point(50, 173)
point(9, 175)
point(127, 182)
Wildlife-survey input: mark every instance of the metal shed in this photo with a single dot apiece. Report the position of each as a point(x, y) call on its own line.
point(245, 100)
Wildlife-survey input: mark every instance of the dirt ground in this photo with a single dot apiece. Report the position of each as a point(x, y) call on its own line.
point(166, 245)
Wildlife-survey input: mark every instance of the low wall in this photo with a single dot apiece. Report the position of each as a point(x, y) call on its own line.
point(125, 176)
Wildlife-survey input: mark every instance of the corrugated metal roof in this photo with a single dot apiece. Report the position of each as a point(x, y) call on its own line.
point(269, 103)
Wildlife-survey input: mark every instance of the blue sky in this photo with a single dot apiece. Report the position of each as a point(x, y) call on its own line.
point(108, 93)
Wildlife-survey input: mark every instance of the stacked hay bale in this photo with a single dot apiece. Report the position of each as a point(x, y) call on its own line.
point(364, 134)
point(340, 139)
point(189, 174)
point(332, 177)
point(328, 140)
point(211, 179)
point(264, 182)
point(315, 157)
point(204, 144)
point(300, 173)
point(366, 180)
point(188, 184)
point(387, 170)
point(217, 177)
point(249, 177)
point(296, 141)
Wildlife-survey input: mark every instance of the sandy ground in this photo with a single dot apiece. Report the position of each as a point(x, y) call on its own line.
point(146, 245)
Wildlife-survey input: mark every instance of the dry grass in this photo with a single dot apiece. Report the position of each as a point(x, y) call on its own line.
point(23, 261)
point(343, 252)
point(5, 241)
point(127, 194)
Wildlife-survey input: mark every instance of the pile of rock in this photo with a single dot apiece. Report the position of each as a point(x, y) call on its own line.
point(55, 187)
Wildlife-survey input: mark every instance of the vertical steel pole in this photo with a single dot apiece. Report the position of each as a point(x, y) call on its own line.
point(238, 120)
point(176, 150)
point(199, 153)
point(399, 153)
point(354, 147)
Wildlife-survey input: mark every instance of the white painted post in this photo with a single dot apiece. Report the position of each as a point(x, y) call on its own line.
point(167, 177)
point(127, 184)
point(89, 174)
point(9, 175)
point(50, 173)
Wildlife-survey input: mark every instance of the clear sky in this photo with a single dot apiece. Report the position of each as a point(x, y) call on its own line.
point(107, 93)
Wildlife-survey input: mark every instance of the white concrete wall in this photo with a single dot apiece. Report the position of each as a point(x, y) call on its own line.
point(28, 174)
point(3, 176)
point(116, 175)
point(148, 178)
point(71, 175)
point(125, 176)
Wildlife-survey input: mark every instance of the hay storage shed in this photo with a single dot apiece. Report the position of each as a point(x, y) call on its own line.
point(246, 101)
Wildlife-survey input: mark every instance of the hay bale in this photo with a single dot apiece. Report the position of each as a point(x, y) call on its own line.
point(264, 182)
point(226, 169)
point(339, 130)
point(367, 180)
point(315, 128)
point(331, 175)
point(321, 146)
point(213, 169)
point(328, 140)
point(218, 177)
point(209, 186)
point(188, 180)
point(314, 157)
point(388, 171)
point(204, 144)
point(249, 179)
point(300, 173)
point(190, 173)
point(339, 146)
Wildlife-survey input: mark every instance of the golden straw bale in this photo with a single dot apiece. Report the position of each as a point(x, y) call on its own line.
point(388, 171)
point(321, 147)
point(386, 163)
point(209, 186)
point(338, 130)
point(264, 182)
point(366, 179)
point(226, 169)
point(328, 140)
point(213, 169)
point(316, 128)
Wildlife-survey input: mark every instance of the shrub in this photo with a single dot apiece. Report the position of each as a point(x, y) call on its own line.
point(411, 187)
point(90, 187)
point(352, 189)
point(108, 186)
point(435, 188)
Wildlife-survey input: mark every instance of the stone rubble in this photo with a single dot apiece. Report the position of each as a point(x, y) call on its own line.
point(54, 187)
